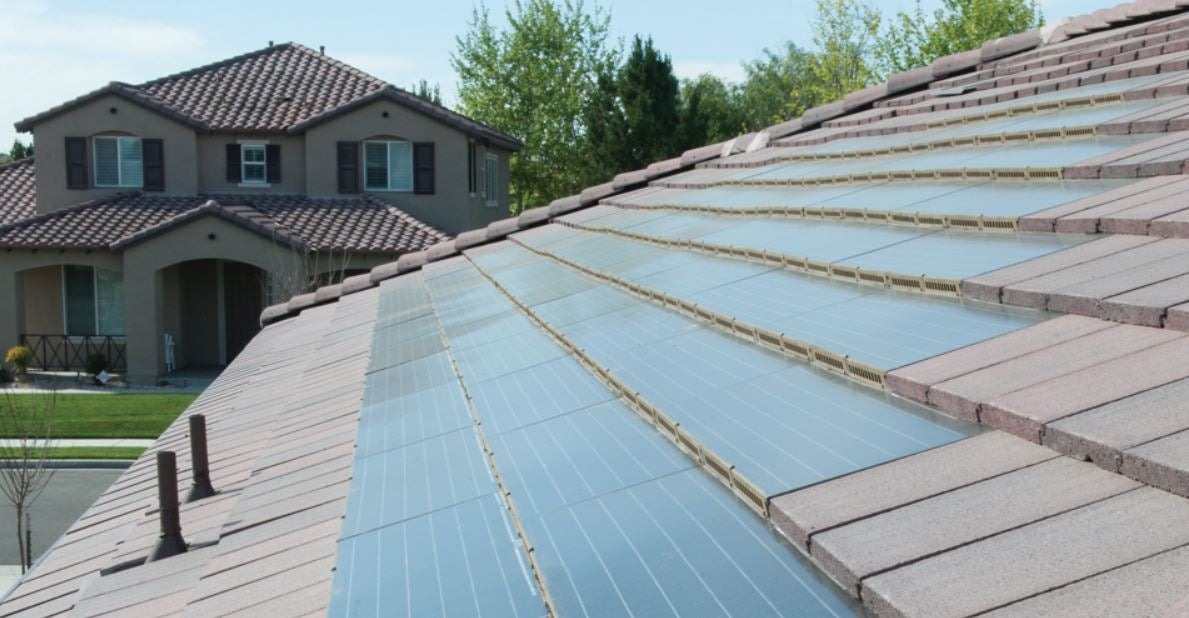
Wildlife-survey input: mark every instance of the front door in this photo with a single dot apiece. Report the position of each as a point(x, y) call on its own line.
point(243, 294)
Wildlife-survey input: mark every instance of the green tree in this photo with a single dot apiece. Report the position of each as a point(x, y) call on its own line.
point(647, 92)
point(845, 34)
point(19, 150)
point(777, 87)
point(605, 129)
point(711, 111)
point(423, 90)
point(532, 79)
point(913, 39)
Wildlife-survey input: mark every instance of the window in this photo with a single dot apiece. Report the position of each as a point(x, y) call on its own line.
point(388, 166)
point(119, 162)
point(254, 163)
point(93, 301)
point(491, 168)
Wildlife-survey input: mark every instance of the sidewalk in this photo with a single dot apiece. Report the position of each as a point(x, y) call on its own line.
point(100, 442)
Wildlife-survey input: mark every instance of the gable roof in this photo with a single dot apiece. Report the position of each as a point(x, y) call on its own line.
point(286, 87)
point(627, 398)
point(361, 224)
point(18, 191)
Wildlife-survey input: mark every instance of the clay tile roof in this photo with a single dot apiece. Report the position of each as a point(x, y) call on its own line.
point(18, 191)
point(361, 224)
point(862, 365)
point(286, 87)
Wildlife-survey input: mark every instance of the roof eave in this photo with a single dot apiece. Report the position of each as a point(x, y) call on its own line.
point(389, 93)
point(118, 89)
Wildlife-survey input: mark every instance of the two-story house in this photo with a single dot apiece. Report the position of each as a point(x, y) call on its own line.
point(158, 219)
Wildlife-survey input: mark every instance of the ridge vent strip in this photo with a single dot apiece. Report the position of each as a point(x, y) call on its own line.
point(1054, 133)
point(489, 455)
point(852, 274)
point(961, 173)
point(894, 217)
point(1015, 110)
point(720, 469)
point(862, 373)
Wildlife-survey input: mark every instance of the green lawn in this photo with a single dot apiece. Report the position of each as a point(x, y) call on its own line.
point(133, 415)
point(91, 452)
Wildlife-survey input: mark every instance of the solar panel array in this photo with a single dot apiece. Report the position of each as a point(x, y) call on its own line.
point(590, 417)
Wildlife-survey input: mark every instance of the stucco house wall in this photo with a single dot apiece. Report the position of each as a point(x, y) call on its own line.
point(212, 163)
point(451, 208)
point(96, 118)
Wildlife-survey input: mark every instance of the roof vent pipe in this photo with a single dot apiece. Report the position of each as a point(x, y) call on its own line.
point(202, 487)
point(171, 542)
point(322, 49)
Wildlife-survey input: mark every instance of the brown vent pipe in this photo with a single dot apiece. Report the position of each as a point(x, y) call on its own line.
point(202, 487)
point(171, 542)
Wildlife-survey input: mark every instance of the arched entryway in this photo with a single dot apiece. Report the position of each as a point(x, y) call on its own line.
point(210, 310)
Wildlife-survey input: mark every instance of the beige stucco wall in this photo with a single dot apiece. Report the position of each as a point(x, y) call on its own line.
point(43, 301)
point(94, 118)
point(212, 163)
point(15, 266)
point(146, 280)
point(451, 208)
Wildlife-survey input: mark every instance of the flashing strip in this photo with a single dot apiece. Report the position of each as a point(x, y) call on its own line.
point(719, 468)
point(862, 373)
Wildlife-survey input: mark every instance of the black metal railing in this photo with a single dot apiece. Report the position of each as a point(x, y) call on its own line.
point(70, 352)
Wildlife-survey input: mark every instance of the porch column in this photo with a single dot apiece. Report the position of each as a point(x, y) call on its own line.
point(12, 305)
point(143, 298)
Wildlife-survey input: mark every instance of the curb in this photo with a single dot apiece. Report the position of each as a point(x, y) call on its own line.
point(80, 464)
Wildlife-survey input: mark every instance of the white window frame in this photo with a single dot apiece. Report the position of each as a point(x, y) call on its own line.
point(119, 164)
point(388, 143)
point(262, 164)
point(491, 182)
point(95, 301)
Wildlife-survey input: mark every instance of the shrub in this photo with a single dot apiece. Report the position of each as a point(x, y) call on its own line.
point(5, 377)
point(96, 363)
point(19, 357)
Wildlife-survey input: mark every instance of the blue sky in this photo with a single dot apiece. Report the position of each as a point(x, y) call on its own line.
point(53, 51)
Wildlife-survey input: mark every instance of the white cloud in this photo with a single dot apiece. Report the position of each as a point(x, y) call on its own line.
point(726, 71)
point(48, 57)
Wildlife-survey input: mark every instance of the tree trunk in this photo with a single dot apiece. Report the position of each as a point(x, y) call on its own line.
point(21, 535)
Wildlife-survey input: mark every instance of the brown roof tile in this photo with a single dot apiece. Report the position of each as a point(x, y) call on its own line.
point(806, 512)
point(361, 224)
point(1036, 558)
point(286, 87)
point(18, 192)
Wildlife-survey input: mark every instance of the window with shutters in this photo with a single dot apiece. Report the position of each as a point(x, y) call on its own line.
point(388, 166)
point(93, 301)
point(119, 162)
point(490, 171)
point(253, 162)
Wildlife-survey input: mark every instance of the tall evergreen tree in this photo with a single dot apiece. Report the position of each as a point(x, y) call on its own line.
point(423, 90)
point(711, 111)
point(19, 151)
point(648, 96)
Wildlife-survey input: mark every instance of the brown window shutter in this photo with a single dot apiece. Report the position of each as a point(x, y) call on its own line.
point(471, 167)
point(423, 172)
point(76, 163)
point(153, 159)
point(272, 158)
point(234, 172)
point(348, 155)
